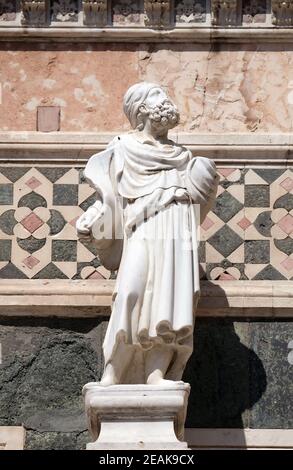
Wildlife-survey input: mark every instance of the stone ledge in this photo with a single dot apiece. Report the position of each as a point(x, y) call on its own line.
point(75, 146)
point(92, 298)
point(197, 34)
point(276, 439)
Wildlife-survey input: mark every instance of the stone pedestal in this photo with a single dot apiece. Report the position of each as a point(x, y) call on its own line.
point(136, 416)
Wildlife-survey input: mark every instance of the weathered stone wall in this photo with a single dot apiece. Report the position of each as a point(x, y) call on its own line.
point(240, 376)
point(218, 88)
point(45, 364)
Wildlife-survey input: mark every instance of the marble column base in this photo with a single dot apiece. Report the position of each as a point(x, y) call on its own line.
point(136, 416)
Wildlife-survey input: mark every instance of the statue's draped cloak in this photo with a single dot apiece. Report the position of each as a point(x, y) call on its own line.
point(153, 192)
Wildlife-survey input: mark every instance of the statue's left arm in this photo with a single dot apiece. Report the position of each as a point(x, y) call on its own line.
point(102, 221)
point(201, 181)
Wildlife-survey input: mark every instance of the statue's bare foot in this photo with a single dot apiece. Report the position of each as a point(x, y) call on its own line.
point(109, 377)
point(106, 382)
point(161, 381)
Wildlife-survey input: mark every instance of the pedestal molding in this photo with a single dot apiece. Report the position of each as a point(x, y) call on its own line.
point(136, 416)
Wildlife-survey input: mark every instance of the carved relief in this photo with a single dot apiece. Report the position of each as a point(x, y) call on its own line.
point(224, 12)
point(254, 11)
point(7, 10)
point(157, 13)
point(64, 10)
point(282, 12)
point(190, 11)
point(33, 12)
point(126, 11)
point(95, 12)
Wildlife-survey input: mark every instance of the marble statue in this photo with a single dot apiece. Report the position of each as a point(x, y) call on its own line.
point(144, 223)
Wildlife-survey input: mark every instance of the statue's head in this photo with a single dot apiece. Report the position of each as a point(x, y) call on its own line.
point(148, 101)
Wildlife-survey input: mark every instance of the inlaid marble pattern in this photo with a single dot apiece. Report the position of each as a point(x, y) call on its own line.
point(39, 207)
point(248, 234)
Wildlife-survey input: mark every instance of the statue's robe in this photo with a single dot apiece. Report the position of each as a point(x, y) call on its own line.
point(149, 195)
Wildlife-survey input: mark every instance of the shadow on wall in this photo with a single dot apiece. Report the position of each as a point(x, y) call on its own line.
point(227, 378)
point(45, 363)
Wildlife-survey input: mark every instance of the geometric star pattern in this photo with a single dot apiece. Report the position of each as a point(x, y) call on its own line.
point(38, 210)
point(247, 235)
point(249, 232)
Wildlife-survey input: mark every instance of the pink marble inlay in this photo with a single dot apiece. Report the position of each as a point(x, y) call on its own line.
point(33, 183)
point(226, 277)
point(244, 223)
point(226, 171)
point(287, 184)
point(286, 223)
point(31, 262)
point(95, 275)
point(207, 224)
point(73, 221)
point(32, 222)
point(288, 264)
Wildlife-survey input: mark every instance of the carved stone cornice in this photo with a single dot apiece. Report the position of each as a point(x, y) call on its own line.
point(147, 20)
point(282, 12)
point(157, 13)
point(224, 12)
point(95, 12)
point(33, 12)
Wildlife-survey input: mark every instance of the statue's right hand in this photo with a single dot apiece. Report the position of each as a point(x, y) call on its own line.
point(85, 221)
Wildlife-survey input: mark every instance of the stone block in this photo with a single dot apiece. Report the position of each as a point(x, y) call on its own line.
point(65, 194)
point(11, 437)
point(5, 250)
point(64, 250)
point(6, 194)
point(48, 118)
point(270, 342)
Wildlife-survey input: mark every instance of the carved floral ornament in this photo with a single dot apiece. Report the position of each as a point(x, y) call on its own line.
point(7, 10)
point(189, 11)
point(126, 7)
point(282, 12)
point(156, 13)
point(254, 11)
point(64, 10)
